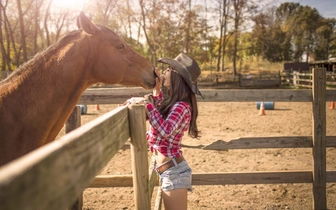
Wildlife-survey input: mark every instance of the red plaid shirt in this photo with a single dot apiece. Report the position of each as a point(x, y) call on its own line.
point(165, 135)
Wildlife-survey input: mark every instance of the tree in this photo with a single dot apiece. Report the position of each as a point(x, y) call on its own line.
point(223, 9)
point(37, 29)
point(4, 38)
point(286, 20)
point(22, 30)
point(167, 27)
point(308, 20)
point(148, 14)
point(105, 9)
point(268, 38)
point(46, 19)
point(325, 39)
point(242, 10)
point(300, 24)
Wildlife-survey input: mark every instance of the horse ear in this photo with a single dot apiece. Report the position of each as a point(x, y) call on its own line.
point(84, 23)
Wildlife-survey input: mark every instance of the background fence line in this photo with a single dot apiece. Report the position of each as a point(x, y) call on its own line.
point(90, 147)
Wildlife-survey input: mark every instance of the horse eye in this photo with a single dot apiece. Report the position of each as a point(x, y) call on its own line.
point(120, 46)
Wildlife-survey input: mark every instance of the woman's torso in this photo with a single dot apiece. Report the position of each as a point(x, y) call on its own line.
point(165, 136)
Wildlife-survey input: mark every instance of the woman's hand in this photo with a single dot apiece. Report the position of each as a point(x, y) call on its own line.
point(158, 83)
point(137, 100)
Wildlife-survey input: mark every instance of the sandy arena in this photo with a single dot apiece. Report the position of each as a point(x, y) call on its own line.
point(228, 121)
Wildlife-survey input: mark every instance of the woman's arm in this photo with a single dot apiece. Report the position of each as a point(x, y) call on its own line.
point(180, 114)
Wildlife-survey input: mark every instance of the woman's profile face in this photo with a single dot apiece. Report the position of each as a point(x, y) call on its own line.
point(166, 76)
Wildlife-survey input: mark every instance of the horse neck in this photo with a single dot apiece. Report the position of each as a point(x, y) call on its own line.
point(46, 89)
point(56, 72)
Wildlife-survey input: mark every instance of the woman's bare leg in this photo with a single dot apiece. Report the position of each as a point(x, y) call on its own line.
point(175, 199)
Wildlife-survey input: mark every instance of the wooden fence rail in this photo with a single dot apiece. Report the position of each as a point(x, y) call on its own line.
point(53, 176)
point(298, 79)
point(262, 80)
point(301, 79)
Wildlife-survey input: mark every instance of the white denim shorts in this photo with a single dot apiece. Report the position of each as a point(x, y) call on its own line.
point(177, 177)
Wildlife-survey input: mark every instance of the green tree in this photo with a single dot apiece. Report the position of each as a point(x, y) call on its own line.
point(308, 20)
point(268, 38)
point(4, 38)
point(243, 10)
point(22, 30)
point(300, 24)
point(325, 39)
point(224, 19)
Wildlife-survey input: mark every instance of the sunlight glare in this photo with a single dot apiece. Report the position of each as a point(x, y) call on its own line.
point(70, 4)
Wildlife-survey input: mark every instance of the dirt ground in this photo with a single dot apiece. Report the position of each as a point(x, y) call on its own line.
point(228, 121)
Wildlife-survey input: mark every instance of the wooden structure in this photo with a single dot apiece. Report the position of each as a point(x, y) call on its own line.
point(52, 177)
point(262, 80)
point(219, 80)
point(304, 79)
point(329, 65)
point(296, 66)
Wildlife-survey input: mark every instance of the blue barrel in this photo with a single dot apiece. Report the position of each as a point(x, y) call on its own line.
point(269, 105)
point(83, 108)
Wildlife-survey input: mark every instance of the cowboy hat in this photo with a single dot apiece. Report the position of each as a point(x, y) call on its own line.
point(187, 67)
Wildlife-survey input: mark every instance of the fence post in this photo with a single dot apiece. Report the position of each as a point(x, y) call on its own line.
point(139, 153)
point(319, 139)
point(73, 122)
point(295, 77)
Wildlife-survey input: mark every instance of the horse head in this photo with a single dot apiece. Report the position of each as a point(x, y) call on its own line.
point(115, 62)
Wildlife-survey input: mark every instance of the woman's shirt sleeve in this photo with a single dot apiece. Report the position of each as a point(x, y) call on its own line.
point(173, 122)
point(157, 99)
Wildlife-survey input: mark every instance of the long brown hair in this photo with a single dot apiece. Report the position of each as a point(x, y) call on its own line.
point(180, 91)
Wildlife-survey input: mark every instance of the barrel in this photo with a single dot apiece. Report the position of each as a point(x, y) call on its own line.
point(83, 108)
point(268, 105)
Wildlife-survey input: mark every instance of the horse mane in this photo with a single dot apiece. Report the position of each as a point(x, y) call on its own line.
point(44, 56)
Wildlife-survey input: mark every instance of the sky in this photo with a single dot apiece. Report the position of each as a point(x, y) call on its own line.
point(327, 8)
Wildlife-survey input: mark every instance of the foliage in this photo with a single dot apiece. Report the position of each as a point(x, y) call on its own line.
point(230, 32)
point(299, 33)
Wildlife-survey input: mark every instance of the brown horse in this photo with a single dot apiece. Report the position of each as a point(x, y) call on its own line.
point(37, 99)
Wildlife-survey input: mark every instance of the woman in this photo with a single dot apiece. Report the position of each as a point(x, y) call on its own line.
point(169, 119)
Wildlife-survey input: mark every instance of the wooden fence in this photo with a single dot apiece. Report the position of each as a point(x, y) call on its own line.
point(262, 80)
point(53, 176)
point(304, 79)
point(254, 80)
point(219, 80)
point(297, 79)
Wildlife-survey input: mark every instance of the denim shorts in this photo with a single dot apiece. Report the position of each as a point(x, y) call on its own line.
point(177, 177)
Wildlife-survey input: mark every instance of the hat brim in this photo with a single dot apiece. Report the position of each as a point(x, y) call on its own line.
point(174, 64)
point(183, 72)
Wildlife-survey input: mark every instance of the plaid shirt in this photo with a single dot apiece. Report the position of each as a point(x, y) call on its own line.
point(165, 135)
